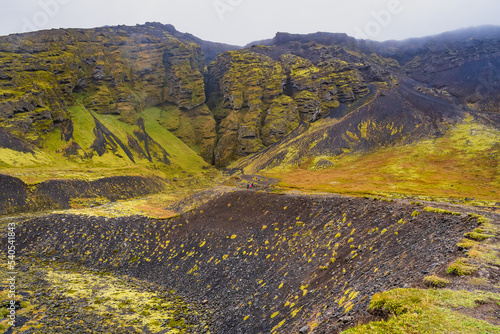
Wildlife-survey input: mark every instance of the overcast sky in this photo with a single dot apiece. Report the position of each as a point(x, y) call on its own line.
point(243, 21)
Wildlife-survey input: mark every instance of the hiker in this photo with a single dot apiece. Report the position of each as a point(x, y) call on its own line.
point(248, 185)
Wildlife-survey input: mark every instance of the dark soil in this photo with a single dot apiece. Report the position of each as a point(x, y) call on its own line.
point(13, 194)
point(489, 312)
point(262, 261)
point(16, 196)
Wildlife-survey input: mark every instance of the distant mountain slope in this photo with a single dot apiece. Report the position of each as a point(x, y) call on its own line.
point(400, 114)
point(264, 263)
point(465, 63)
point(260, 94)
point(126, 95)
point(85, 96)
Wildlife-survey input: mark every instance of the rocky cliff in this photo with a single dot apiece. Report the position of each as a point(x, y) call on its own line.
point(118, 72)
point(260, 94)
point(464, 63)
point(132, 87)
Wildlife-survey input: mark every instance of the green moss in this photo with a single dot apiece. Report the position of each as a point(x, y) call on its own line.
point(281, 119)
point(87, 202)
point(436, 281)
point(478, 236)
point(461, 267)
point(427, 311)
point(180, 153)
point(124, 80)
point(446, 212)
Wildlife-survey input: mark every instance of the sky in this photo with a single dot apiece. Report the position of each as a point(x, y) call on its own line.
point(240, 22)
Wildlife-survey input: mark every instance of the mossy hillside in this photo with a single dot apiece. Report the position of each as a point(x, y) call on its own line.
point(483, 248)
point(152, 146)
point(121, 70)
point(459, 61)
point(246, 87)
point(281, 119)
point(172, 202)
point(332, 80)
point(432, 167)
point(24, 306)
point(428, 311)
point(129, 306)
point(250, 78)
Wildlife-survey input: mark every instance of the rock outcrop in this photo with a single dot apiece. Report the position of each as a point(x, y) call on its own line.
point(120, 71)
point(465, 64)
point(259, 95)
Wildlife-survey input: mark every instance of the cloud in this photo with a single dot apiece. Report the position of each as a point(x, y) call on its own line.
point(242, 21)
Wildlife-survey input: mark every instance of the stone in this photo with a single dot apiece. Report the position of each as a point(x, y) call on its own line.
point(304, 330)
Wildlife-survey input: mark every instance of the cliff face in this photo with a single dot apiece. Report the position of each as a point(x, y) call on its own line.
point(119, 71)
point(259, 95)
point(464, 63)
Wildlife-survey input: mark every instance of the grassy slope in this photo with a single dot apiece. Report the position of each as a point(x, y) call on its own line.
point(464, 162)
point(447, 310)
point(49, 163)
point(425, 311)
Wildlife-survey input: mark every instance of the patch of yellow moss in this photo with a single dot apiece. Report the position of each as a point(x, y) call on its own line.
point(19, 159)
point(109, 295)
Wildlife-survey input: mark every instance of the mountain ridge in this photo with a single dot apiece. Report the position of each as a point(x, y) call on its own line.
point(225, 103)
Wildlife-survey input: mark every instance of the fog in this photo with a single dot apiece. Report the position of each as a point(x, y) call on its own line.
point(243, 21)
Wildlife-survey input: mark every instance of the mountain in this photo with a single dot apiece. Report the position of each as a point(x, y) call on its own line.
point(152, 96)
point(465, 63)
point(105, 102)
point(69, 83)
